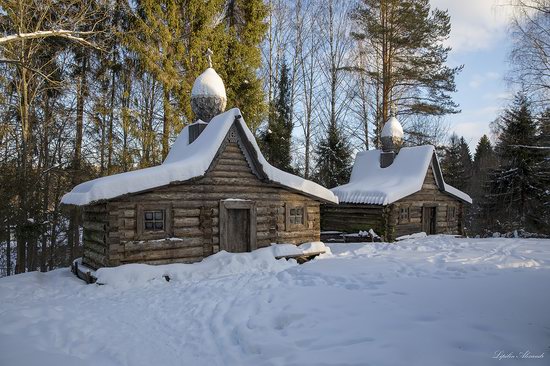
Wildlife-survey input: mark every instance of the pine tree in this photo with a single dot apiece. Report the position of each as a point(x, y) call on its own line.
point(517, 186)
point(277, 138)
point(333, 159)
point(409, 67)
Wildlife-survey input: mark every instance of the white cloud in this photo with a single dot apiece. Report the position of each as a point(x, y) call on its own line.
point(479, 79)
point(475, 24)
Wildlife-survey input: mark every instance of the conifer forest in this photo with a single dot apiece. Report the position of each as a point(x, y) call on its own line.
point(99, 87)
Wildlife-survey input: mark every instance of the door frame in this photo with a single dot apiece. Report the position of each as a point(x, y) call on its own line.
point(426, 224)
point(235, 204)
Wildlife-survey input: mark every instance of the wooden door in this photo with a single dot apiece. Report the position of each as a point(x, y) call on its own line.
point(237, 225)
point(238, 230)
point(429, 215)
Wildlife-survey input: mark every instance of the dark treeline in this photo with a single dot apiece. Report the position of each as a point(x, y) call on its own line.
point(92, 88)
point(509, 181)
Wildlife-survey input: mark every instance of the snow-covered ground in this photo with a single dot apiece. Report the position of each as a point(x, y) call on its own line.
point(424, 301)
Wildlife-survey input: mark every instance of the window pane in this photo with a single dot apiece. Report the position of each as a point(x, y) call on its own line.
point(148, 215)
point(149, 226)
point(158, 215)
point(159, 225)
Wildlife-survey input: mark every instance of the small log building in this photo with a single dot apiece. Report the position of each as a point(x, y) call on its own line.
point(215, 191)
point(396, 192)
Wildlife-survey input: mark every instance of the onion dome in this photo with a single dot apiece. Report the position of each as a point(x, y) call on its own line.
point(208, 98)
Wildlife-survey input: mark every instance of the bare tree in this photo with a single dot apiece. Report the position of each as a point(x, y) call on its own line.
point(530, 56)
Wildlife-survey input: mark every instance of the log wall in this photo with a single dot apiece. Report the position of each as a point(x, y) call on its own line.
point(352, 218)
point(385, 220)
point(194, 215)
point(94, 237)
point(428, 195)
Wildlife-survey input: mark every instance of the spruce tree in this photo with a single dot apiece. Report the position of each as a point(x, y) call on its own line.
point(451, 163)
point(276, 140)
point(466, 164)
point(484, 162)
point(333, 159)
point(517, 186)
point(242, 30)
point(406, 37)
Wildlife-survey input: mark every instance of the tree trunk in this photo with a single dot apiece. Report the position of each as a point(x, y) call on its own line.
point(166, 123)
point(74, 231)
point(8, 249)
point(111, 118)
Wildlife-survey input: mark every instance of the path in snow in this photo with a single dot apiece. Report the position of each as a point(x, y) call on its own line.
point(427, 301)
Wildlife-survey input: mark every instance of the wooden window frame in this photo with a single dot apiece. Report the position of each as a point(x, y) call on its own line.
point(237, 205)
point(290, 226)
point(408, 218)
point(143, 234)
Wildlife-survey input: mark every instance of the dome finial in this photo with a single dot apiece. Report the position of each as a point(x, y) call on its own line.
point(209, 54)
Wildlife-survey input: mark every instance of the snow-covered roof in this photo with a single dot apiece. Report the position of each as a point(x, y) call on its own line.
point(392, 128)
point(209, 83)
point(186, 161)
point(371, 184)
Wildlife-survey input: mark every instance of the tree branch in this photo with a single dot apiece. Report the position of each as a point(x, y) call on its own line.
point(72, 35)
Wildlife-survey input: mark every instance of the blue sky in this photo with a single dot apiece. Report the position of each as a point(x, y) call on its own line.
point(481, 43)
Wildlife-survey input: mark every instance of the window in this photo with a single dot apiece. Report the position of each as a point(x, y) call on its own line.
point(404, 212)
point(451, 213)
point(296, 216)
point(153, 220)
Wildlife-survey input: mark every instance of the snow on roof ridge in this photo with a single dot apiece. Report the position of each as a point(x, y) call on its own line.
point(186, 161)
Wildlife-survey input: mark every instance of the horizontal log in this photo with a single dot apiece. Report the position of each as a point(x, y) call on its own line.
point(186, 212)
point(232, 168)
point(91, 263)
point(96, 247)
point(233, 155)
point(95, 217)
point(147, 245)
point(95, 257)
point(95, 226)
point(94, 236)
point(224, 174)
point(99, 208)
point(187, 232)
point(149, 255)
point(250, 181)
point(185, 260)
point(186, 221)
point(233, 161)
point(232, 147)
